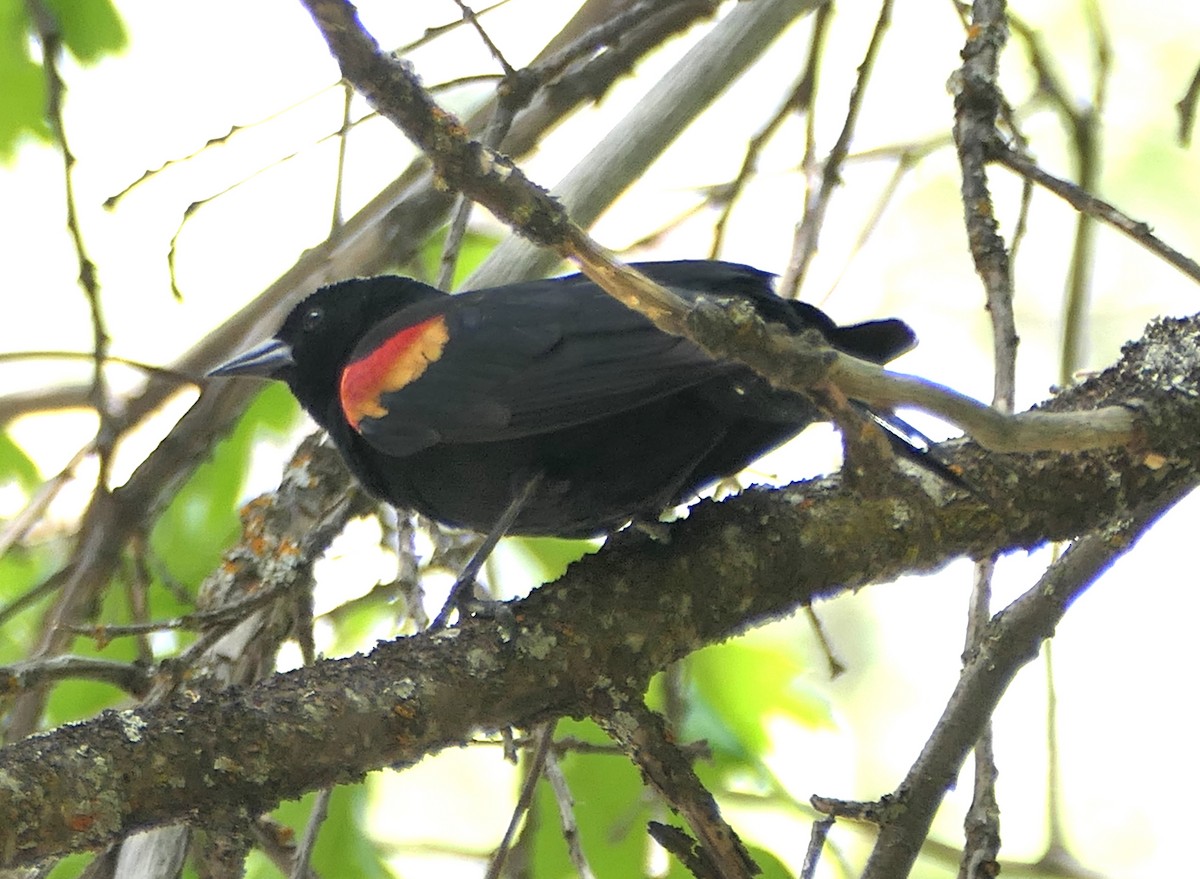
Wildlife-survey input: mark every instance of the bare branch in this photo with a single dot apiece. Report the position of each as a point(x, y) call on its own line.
point(1012, 640)
point(418, 695)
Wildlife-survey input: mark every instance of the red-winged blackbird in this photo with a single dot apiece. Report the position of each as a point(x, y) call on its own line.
point(455, 405)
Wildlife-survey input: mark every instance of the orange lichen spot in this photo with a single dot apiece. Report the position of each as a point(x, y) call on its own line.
point(398, 361)
point(404, 710)
point(81, 823)
point(258, 505)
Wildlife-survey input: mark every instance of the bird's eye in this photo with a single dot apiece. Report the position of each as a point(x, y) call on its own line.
point(313, 318)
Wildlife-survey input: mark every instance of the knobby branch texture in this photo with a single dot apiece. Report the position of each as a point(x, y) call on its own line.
point(494, 181)
point(595, 636)
point(220, 757)
point(486, 176)
point(382, 232)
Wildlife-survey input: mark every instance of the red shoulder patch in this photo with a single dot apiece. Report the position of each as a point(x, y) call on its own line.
point(398, 361)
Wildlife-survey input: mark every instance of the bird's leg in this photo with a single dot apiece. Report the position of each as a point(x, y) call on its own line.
point(466, 578)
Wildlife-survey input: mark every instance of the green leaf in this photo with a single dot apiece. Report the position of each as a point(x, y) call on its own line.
point(23, 97)
point(70, 866)
point(23, 93)
point(356, 628)
point(16, 466)
point(343, 849)
point(21, 570)
point(739, 686)
point(77, 699)
point(201, 520)
point(90, 29)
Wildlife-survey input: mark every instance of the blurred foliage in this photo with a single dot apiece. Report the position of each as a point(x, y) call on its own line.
point(27, 564)
point(475, 247)
point(16, 468)
point(22, 569)
point(90, 30)
point(734, 694)
point(342, 848)
point(611, 808)
point(201, 520)
point(737, 687)
point(70, 867)
point(547, 558)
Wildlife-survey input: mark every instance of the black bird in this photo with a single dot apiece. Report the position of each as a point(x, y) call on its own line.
point(550, 392)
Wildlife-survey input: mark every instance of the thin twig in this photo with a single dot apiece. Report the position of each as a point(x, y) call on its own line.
point(343, 136)
point(1096, 207)
point(217, 140)
point(1011, 641)
point(1186, 108)
point(50, 38)
point(566, 815)
point(816, 843)
point(138, 592)
point(544, 737)
point(836, 667)
point(430, 34)
point(496, 131)
point(800, 99)
point(1085, 136)
point(976, 109)
point(981, 825)
point(804, 244)
point(302, 857)
point(18, 526)
point(977, 105)
point(133, 679)
point(162, 372)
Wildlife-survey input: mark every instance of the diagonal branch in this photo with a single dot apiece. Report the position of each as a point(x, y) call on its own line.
point(798, 363)
point(1011, 640)
point(381, 232)
point(728, 566)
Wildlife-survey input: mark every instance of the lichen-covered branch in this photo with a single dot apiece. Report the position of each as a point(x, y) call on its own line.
point(218, 756)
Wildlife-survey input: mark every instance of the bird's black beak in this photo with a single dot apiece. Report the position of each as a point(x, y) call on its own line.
point(264, 360)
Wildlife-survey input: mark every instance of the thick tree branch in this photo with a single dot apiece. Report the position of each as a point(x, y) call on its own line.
point(384, 231)
point(798, 363)
point(614, 620)
point(643, 735)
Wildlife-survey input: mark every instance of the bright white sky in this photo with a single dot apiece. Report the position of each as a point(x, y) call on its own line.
point(1123, 653)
